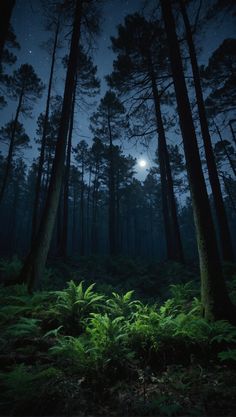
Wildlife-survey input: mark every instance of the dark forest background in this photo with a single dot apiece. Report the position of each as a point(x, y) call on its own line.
point(80, 200)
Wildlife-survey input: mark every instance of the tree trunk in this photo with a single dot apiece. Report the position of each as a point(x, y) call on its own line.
point(11, 147)
point(74, 221)
point(35, 263)
point(35, 218)
point(112, 204)
point(223, 226)
point(94, 232)
point(214, 296)
point(6, 9)
point(64, 234)
point(88, 212)
point(82, 208)
point(173, 239)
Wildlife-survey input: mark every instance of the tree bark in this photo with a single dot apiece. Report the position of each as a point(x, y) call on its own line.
point(35, 263)
point(94, 231)
point(64, 233)
point(82, 207)
point(112, 208)
point(214, 296)
point(223, 226)
point(35, 218)
point(173, 238)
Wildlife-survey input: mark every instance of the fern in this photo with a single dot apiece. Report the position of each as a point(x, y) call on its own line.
point(75, 304)
point(25, 327)
point(109, 339)
point(122, 305)
point(227, 355)
point(27, 385)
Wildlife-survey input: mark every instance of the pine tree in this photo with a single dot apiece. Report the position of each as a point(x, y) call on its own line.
point(107, 124)
point(214, 296)
point(36, 260)
point(35, 217)
point(24, 86)
point(225, 238)
point(141, 66)
point(86, 87)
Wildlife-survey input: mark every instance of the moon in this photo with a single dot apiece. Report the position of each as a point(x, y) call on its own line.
point(142, 163)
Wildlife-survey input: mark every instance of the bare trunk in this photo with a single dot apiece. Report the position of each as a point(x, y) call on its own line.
point(82, 211)
point(112, 208)
point(64, 234)
point(94, 232)
point(88, 211)
point(173, 239)
point(35, 218)
point(214, 296)
point(35, 263)
point(223, 226)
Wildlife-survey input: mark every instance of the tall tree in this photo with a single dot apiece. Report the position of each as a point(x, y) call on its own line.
point(81, 156)
point(35, 217)
point(86, 87)
point(36, 260)
point(107, 124)
point(24, 86)
point(214, 296)
point(224, 232)
point(18, 142)
point(140, 68)
point(219, 77)
point(6, 8)
point(97, 159)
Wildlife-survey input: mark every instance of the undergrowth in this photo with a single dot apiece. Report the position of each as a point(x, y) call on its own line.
point(80, 351)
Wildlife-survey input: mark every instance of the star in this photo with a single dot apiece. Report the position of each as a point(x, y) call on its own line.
point(30, 52)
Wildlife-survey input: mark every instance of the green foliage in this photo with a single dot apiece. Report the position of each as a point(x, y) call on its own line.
point(78, 345)
point(72, 351)
point(109, 340)
point(122, 305)
point(16, 302)
point(228, 355)
point(75, 304)
point(183, 293)
point(25, 327)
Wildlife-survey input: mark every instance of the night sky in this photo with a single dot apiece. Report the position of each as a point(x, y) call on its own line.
point(28, 23)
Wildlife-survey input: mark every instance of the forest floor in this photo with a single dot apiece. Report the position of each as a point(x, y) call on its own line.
point(97, 349)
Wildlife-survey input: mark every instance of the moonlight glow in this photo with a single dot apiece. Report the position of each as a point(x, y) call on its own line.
point(142, 163)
